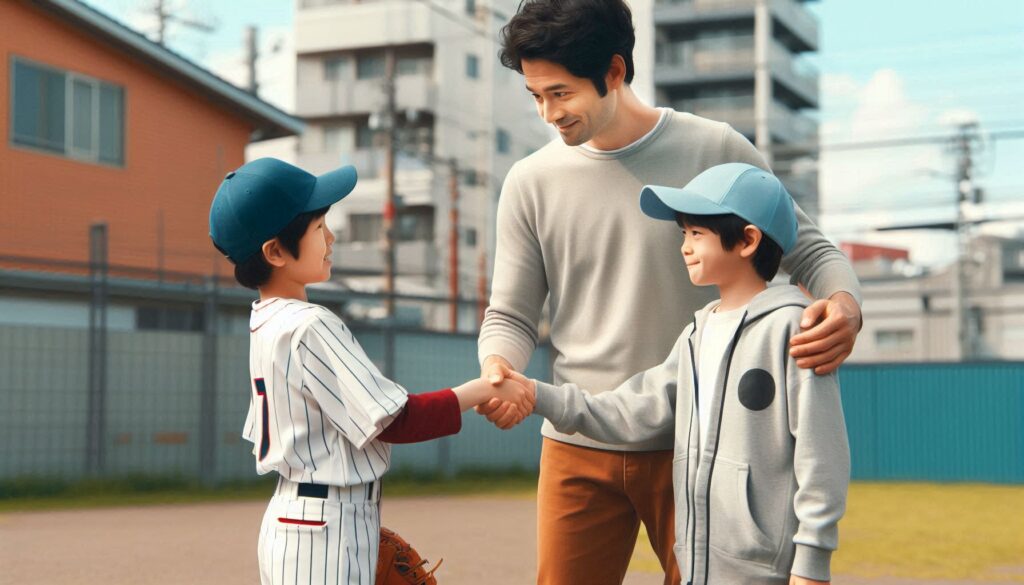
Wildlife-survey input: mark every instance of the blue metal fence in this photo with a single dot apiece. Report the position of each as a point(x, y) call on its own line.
point(936, 422)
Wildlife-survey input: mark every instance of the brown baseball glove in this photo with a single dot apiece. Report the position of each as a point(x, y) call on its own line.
point(398, 563)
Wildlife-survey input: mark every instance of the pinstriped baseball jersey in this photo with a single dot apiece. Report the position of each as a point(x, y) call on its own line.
point(317, 401)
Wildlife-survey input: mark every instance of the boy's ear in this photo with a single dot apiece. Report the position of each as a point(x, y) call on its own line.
point(274, 253)
point(751, 240)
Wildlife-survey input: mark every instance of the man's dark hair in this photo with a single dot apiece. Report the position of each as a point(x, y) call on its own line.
point(580, 35)
point(255, 271)
point(729, 228)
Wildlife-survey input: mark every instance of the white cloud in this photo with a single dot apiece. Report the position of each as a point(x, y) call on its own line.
point(868, 188)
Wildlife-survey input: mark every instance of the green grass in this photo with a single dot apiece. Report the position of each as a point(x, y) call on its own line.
point(968, 532)
point(50, 494)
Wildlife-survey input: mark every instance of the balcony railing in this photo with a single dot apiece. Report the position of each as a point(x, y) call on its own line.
point(319, 97)
point(791, 13)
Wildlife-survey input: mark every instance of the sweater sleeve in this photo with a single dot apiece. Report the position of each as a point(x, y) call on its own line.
point(814, 262)
point(426, 416)
point(519, 285)
point(821, 466)
point(638, 410)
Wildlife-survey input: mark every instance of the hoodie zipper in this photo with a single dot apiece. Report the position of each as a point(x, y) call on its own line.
point(689, 433)
point(714, 455)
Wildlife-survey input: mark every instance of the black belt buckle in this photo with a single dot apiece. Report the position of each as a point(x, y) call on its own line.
point(312, 490)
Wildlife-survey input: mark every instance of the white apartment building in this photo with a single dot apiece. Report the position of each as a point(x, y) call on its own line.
point(454, 100)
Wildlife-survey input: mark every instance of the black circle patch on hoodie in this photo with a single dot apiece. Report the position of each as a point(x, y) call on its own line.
point(757, 389)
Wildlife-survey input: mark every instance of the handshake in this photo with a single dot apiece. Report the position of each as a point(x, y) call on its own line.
point(513, 395)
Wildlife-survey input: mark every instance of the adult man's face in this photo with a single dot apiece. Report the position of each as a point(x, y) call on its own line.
point(569, 103)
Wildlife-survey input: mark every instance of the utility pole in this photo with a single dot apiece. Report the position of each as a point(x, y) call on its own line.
point(163, 17)
point(453, 245)
point(762, 79)
point(391, 122)
point(963, 147)
point(251, 57)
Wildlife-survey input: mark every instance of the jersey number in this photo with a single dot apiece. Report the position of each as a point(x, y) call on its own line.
point(261, 389)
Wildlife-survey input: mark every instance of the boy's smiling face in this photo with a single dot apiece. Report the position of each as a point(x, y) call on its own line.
point(707, 261)
point(314, 261)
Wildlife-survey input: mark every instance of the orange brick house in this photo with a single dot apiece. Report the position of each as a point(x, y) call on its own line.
point(99, 124)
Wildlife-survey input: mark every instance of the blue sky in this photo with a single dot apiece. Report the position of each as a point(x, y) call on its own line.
point(889, 69)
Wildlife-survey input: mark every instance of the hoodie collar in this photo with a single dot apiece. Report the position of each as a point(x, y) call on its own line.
point(763, 303)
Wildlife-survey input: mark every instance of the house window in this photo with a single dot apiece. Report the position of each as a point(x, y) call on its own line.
point(472, 67)
point(370, 66)
point(66, 113)
point(503, 141)
point(894, 339)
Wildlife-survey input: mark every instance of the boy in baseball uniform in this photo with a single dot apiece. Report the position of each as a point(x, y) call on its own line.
point(761, 461)
point(321, 415)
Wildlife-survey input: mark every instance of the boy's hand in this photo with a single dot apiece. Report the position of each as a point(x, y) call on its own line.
point(794, 580)
point(830, 329)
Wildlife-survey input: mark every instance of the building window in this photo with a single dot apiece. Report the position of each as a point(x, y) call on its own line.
point(413, 65)
point(66, 113)
point(472, 67)
point(894, 339)
point(338, 139)
point(364, 136)
point(415, 223)
point(365, 227)
point(471, 7)
point(471, 237)
point(336, 69)
point(370, 66)
point(503, 141)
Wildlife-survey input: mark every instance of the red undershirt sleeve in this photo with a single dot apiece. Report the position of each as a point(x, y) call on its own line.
point(426, 416)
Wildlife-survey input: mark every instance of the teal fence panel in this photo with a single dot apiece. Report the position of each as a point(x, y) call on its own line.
point(936, 422)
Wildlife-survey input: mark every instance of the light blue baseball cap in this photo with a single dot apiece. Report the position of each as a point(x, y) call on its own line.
point(738, 188)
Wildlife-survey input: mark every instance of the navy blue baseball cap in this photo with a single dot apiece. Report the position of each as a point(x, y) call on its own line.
point(258, 199)
point(738, 188)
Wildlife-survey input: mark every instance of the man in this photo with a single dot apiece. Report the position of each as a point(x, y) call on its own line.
point(570, 231)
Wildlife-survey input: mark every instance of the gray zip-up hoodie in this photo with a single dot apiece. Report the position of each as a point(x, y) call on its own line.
point(762, 498)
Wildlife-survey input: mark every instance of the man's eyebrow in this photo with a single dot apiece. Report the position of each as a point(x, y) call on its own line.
point(554, 87)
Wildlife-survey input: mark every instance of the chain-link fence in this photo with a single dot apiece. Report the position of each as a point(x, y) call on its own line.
point(106, 373)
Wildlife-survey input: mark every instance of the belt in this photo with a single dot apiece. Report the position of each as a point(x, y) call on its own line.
point(359, 493)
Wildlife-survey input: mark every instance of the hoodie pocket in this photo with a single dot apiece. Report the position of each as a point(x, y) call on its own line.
point(734, 532)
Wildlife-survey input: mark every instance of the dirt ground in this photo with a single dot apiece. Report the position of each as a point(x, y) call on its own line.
point(483, 539)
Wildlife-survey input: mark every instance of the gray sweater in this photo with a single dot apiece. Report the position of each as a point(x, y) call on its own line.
point(570, 230)
point(761, 499)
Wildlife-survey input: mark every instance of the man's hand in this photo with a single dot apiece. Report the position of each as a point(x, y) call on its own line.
point(830, 329)
point(502, 414)
point(794, 580)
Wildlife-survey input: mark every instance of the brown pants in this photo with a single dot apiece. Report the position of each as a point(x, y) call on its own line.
point(590, 503)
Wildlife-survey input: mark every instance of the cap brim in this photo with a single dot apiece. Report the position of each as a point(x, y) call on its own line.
point(332, 187)
point(664, 202)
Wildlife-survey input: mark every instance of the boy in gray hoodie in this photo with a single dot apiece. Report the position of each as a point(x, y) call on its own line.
point(761, 460)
